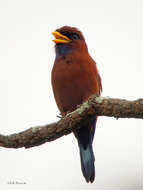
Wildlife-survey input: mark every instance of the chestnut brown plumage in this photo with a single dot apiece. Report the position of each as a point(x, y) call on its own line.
point(74, 79)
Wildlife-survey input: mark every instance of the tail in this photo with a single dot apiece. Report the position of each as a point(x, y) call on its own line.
point(85, 136)
point(87, 162)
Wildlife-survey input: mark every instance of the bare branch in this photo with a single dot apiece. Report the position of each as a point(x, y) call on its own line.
point(100, 106)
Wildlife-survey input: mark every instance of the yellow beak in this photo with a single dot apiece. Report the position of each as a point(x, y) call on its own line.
point(59, 38)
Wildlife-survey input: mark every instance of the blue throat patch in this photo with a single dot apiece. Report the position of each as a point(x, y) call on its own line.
point(62, 49)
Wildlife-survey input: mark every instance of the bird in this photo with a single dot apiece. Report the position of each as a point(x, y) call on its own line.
point(74, 79)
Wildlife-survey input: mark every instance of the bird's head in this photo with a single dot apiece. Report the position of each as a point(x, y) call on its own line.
point(68, 39)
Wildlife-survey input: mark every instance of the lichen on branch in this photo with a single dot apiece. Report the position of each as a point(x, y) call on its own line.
point(99, 106)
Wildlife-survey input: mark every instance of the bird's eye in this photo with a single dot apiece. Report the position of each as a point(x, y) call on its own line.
point(74, 36)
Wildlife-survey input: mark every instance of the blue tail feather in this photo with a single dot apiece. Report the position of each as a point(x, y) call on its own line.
point(87, 162)
point(85, 137)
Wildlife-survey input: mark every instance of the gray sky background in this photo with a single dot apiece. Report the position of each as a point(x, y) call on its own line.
point(114, 34)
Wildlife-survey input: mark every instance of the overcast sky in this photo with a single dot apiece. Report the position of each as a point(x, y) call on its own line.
point(114, 34)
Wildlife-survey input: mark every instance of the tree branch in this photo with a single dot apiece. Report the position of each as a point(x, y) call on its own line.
point(99, 106)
